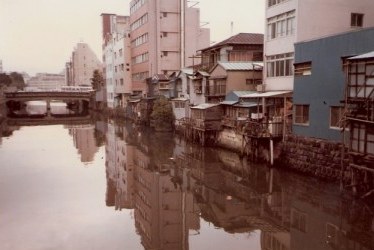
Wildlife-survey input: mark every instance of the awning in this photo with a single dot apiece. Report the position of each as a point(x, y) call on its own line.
point(134, 101)
point(205, 106)
point(246, 104)
point(268, 94)
point(179, 99)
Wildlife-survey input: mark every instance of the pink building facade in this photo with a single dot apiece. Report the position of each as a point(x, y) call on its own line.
point(165, 36)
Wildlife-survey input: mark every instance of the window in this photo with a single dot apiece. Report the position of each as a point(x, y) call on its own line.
point(298, 220)
point(279, 65)
point(357, 20)
point(274, 2)
point(281, 25)
point(139, 22)
point(180, 105)
point(140, 76)
point(140, 58)
point(120, 52)
point(164, 53)
point(164, 34)
point(140, 40)
point(336, 116)
point(164, 14)
point(121, 81)
point(301, 114)
point(332, 234)
point(136, 5)
point(303, 69)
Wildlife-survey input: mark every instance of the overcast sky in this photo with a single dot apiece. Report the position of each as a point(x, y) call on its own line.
point(39, 35)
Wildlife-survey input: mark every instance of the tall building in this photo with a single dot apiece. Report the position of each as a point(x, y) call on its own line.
point(292, 21)
point(165, 37)
point(116, 59)
point(83, 62)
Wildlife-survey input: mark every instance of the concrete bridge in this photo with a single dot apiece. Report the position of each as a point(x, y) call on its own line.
point(24, 96)
point(83, 98)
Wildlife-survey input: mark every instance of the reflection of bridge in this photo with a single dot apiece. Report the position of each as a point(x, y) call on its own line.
point(22, 96)
point(35, 120)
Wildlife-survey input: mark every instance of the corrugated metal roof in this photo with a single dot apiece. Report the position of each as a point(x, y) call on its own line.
point(267, 94)
point(205, 106)
point(180, 99)
point(363, 56)
point(241, 65)
point(228, 102)
point(246, 104)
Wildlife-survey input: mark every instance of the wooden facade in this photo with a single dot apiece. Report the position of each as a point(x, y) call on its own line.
point(204, 123)
point(359, 109)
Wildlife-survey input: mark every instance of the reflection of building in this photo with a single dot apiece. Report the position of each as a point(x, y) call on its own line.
point(158, 208)
point(169, 195)
point(84, 141)
point(119, 170)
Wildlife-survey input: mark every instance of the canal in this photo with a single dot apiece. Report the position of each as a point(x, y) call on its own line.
point(102, 185)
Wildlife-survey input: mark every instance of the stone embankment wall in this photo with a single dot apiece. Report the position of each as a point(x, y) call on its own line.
point(315, 157)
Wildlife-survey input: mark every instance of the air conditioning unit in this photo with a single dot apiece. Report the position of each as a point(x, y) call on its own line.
point(261, 88)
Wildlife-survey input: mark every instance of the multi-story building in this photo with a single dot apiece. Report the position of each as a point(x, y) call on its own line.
point(319, 90)
point(82, 65)
point(117, 59)
point(291, 21)
point(45, 81)
point(165, 37)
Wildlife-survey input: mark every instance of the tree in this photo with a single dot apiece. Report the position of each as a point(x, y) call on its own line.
point(163, 115)
point(5, 80)
point(97, 80)
point(17, 80)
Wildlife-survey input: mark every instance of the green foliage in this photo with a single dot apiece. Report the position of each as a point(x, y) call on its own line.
point(162, 114)
point(5, 80)
point(97, 80)
point(17, 80)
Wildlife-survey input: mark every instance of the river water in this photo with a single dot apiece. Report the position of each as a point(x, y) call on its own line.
point(96, 184)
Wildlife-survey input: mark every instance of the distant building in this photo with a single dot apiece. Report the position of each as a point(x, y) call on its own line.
point(45, 81)
point(1, 66)
point(83, 62)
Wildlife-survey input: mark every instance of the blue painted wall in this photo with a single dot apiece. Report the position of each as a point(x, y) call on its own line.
point(325, 86)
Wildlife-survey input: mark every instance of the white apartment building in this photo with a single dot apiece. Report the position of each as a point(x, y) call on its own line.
point(45, 81)
point(292, 21)
point(116, 59)
point(79, 70)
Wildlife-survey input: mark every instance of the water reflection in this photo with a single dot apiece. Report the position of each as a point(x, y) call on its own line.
point(170, 195)
point(172, 186)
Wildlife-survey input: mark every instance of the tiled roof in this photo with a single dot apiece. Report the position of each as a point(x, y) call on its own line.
point(241, 38)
